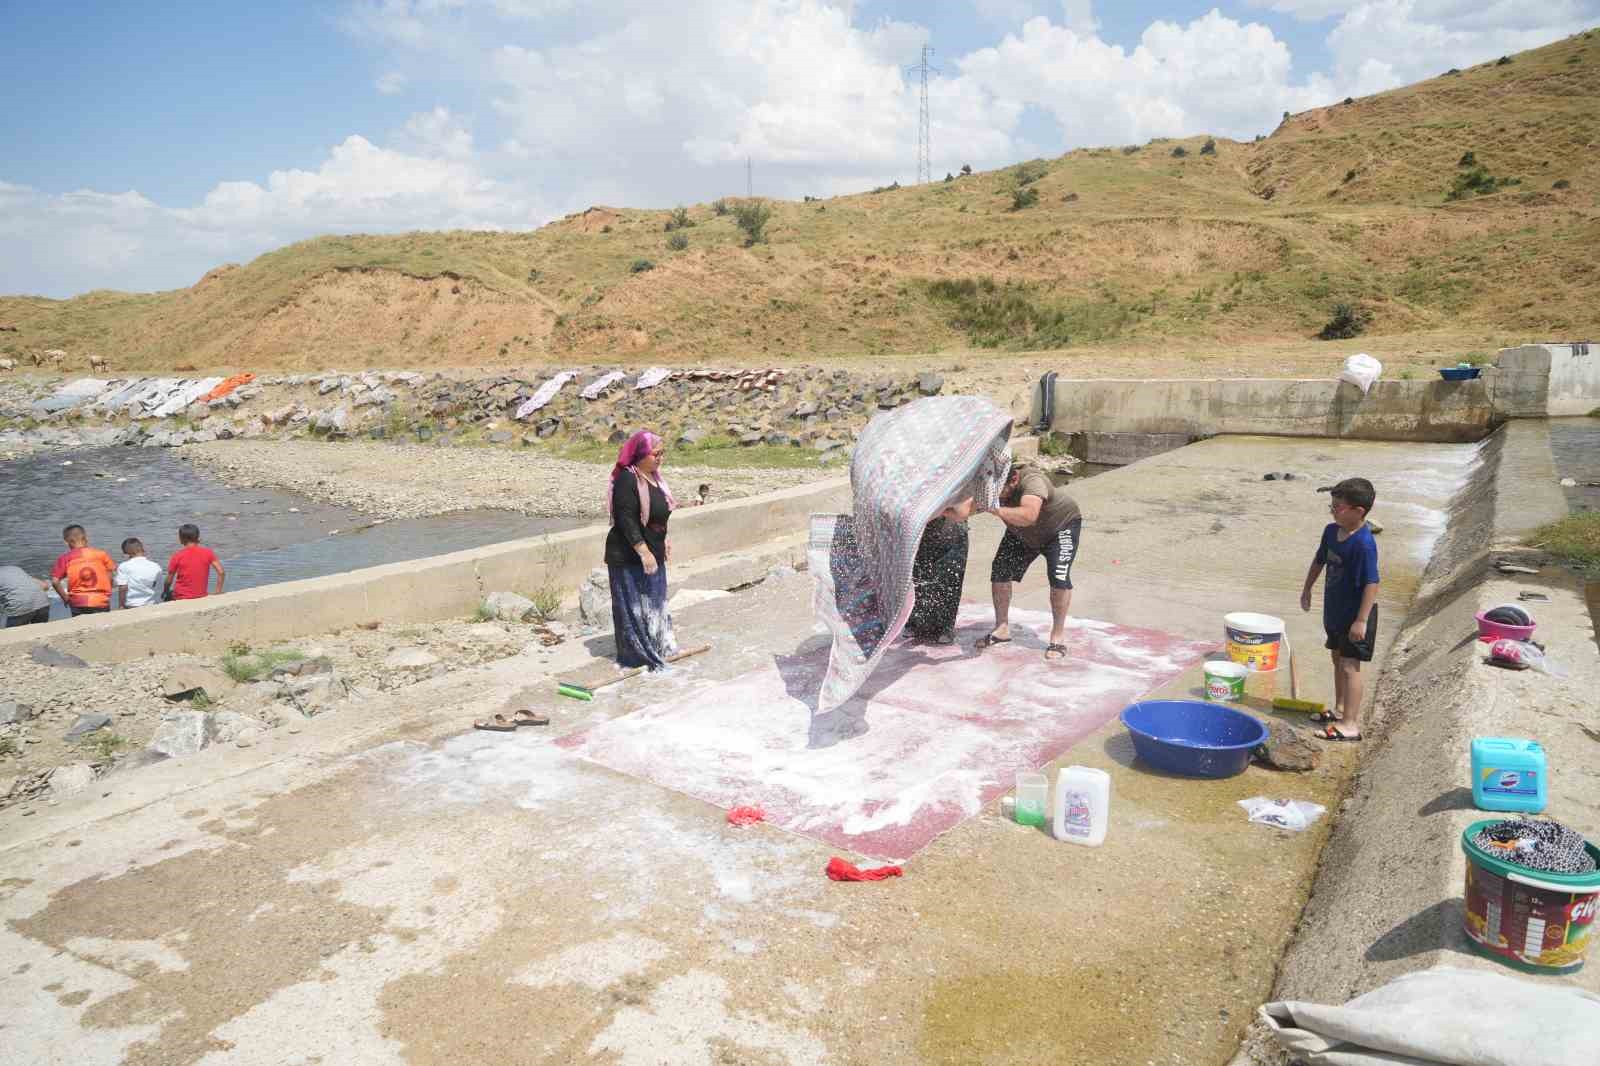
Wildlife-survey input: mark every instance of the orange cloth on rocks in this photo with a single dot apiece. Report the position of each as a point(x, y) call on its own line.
point(226, 387)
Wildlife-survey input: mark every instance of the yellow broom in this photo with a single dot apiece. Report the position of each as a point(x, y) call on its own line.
point(1293, 702)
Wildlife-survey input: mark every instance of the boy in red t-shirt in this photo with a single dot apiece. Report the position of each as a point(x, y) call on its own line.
point(88, 572)
point(189, 569)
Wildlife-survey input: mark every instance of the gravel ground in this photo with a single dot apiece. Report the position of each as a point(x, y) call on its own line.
point(410, 480)
point(362, 661)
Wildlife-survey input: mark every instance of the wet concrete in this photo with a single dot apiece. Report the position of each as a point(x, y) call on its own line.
point(412, 893)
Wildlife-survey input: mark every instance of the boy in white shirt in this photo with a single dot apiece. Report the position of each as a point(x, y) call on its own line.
point(138, 579)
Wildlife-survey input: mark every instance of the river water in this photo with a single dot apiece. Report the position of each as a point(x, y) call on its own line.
point(262, 536)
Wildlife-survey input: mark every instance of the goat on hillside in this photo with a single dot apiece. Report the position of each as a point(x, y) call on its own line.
point(97, 362)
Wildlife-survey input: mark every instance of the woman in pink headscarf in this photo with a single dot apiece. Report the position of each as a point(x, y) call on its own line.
point(637, 550)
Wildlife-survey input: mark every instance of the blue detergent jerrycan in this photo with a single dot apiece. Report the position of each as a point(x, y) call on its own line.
point(1508, 774)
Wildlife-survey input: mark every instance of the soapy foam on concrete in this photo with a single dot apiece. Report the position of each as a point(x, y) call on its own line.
point(936, 733)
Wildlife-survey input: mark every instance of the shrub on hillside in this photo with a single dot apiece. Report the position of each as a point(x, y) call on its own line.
point(1348, 320)
point(1562, 183)
point(1130, 149)
point(1349, 99)
point(680, 219)
point(639, 266)
point(1468, 159)
point(1349, 176)
point(891, 187)
point(1453, 72)
point(1477, 182)
point(1503, 61)
point(678, 242)
point(966, 168)
point(719, 207)
point(1179, 152)
point(949, 177)
point(1023, 198)
point(1210, 147)
point(1013, 315)
point(752, 219)
point(1028, 173)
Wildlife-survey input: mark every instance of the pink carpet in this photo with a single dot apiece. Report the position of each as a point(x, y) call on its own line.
point(936, 733)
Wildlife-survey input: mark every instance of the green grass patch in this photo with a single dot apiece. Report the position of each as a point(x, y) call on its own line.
point(242, 664)
point(1575, 540)
point(103, 744)
point(484, 613)
point(719, 452)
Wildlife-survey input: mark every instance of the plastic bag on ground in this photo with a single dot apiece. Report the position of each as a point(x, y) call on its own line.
point(1523, 655)
point(1293, 815)
point(1361, 370)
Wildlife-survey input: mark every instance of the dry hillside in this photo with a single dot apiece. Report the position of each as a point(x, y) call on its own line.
point(1181, 244)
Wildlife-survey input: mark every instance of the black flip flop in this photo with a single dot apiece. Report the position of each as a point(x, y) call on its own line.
point(1326, 718)
point(1062, 648)
point(991, 640)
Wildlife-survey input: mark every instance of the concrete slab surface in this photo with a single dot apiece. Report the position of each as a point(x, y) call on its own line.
point(391, 887)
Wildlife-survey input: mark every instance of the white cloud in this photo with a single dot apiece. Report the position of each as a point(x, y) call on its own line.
point(391, 83)
point(438, 132)
point(1382, 44)
point(61, 244)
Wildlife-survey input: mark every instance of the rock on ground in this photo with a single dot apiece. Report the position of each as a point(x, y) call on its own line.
point(184, 733)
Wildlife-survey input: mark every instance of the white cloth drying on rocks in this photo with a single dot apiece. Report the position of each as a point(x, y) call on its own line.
point(546, 393)
point(652, 377)
point(595, 389)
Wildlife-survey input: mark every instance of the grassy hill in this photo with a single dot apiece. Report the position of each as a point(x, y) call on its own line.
point(1467, 206)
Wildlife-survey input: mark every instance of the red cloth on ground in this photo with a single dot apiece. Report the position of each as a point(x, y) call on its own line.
point(839, 870)
point(190, 567)
point(746, 815)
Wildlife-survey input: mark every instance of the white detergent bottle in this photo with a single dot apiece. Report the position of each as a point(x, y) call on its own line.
point(1083, 805)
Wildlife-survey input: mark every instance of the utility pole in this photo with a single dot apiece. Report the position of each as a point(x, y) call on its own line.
point(924, 166)
point(749, 180)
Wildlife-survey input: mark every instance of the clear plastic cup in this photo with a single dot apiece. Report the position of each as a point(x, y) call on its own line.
point(1033, 797)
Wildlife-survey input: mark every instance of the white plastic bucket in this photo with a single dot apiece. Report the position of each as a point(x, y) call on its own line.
point(1254, 640)
point(1225, 680)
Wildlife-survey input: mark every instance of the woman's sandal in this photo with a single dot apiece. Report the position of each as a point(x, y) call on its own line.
point(1326, 718)
point(991, 640)
point(526, 717)
point(1055, 652)
point(496, 723)
point(1332, 733)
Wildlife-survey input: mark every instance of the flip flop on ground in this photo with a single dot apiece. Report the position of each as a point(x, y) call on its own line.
point(991, 640)
point(1333, 733)
point(527, 717)
point(1325, 718)
point(1055, 651)
point(496, 723)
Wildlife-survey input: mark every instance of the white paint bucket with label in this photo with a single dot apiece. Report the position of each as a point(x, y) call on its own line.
point(1225, 680)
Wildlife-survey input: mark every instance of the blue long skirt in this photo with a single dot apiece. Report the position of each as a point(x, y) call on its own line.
point(639, 616)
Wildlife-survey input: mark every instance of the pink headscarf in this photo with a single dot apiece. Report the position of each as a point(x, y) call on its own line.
point(633, 449)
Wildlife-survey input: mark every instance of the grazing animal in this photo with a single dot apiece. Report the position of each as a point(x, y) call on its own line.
point(56, 356)
point(97, 362)
point(8, 364)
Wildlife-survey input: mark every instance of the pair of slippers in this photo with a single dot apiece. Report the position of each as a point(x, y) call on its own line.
point(1330, 728)
point(1052, 652)
point(500, 723)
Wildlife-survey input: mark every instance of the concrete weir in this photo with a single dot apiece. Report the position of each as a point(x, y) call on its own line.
point(389, 886)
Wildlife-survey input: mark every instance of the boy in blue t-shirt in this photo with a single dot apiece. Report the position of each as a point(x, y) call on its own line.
point(1349, 602)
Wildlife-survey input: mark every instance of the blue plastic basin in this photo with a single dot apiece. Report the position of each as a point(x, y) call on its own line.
point(1460, 373)
point(1192, 737)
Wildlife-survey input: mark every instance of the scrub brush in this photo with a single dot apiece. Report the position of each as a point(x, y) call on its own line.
point(1293, 702)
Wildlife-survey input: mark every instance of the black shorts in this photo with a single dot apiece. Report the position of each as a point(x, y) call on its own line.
point(1339, 639)
point(76, 611)
point(1013, 557)
point(32, 618)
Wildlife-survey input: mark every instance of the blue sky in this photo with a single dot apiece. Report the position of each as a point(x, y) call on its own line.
point(145, 144)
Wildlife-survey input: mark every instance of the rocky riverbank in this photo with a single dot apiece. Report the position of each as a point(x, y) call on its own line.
point(65, 723)
point(389, 480)
point(799, 407)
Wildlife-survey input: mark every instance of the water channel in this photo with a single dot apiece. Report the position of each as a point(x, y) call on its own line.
point(262, 536)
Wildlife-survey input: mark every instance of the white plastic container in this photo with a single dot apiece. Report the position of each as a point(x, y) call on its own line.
point(1083, 805)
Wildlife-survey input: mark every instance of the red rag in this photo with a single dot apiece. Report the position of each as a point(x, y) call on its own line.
point(746, 815)
point(839, 870)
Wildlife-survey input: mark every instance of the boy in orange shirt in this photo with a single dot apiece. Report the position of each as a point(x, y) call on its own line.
point(87, 572)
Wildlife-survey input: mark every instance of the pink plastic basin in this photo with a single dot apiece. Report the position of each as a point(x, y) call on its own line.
point(1492, 630)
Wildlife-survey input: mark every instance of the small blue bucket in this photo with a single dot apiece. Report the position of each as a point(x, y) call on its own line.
point(1192, 737)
